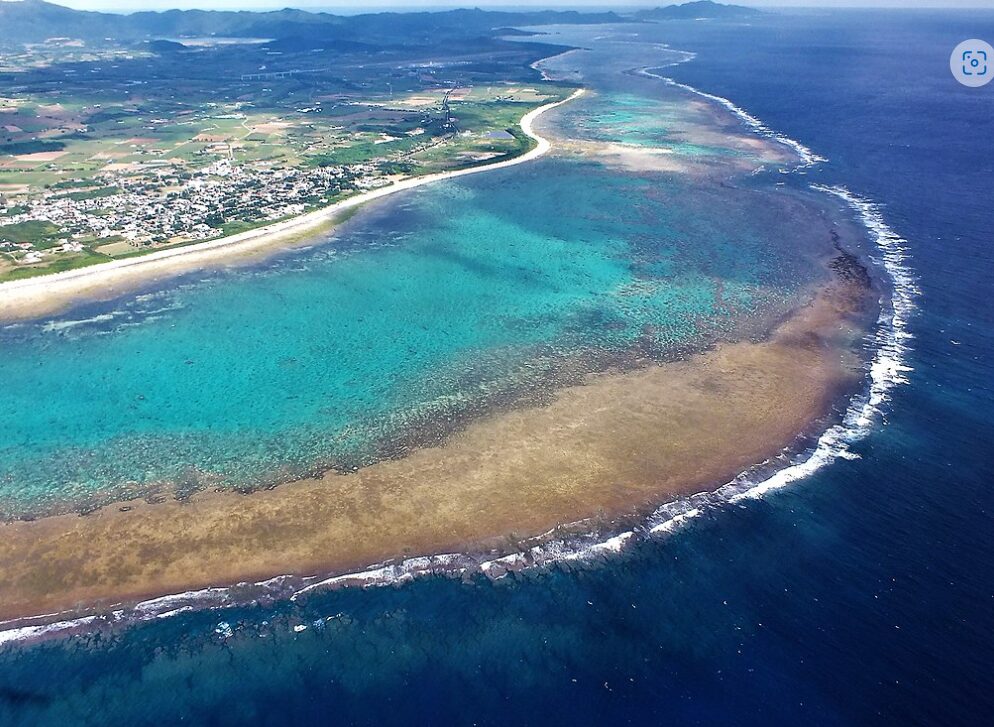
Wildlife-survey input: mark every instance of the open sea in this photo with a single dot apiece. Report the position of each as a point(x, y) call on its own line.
point(855, 587)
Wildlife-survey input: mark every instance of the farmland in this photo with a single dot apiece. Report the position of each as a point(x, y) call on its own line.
point(105, 153)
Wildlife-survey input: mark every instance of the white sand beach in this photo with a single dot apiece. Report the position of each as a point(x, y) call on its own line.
point(49, 293)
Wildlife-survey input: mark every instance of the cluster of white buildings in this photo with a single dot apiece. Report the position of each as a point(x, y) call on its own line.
point(166, 206)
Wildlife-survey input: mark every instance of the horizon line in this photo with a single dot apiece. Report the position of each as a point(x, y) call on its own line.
point(400, 6)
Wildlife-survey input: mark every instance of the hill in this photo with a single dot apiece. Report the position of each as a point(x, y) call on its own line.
point(700, 9)
point(29, 21)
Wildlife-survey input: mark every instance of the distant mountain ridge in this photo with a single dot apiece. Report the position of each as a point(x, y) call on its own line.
point(698, 10)
point(37, 20)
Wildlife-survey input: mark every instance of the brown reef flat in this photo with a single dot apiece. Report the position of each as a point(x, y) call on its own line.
point(614, 446)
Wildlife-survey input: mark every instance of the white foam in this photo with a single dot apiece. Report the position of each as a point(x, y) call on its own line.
point(808, 158)
point(56, 326)
point(673, 523)
point(546, 76)
point(887, 369)
point(391, 574)
point(174, 612)
point(32, 632)
point(213, 595)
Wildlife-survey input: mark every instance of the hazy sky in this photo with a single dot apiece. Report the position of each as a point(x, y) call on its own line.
point(359, 5)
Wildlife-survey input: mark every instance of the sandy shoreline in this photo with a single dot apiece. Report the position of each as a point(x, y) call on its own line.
point(45, 294)
point(608, 450)
point(613, 447)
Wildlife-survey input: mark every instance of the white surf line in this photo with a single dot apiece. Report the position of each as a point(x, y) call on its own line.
point(808, 157)
point(23, 633)
point(887, 369)
point(215, 249)
point(172, 604)
point(395, 574)
point(537, 65)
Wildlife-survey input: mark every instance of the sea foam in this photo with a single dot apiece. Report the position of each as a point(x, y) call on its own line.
point(887, 369)
point(807, 157)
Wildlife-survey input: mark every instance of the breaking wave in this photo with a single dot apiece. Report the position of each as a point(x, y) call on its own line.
point(808, 158)
point(890, 342)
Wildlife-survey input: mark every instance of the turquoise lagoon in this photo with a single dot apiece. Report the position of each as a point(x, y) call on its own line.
point(429, 307)
point(634, 120)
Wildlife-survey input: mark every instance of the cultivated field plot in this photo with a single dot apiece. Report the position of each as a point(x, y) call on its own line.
point(110, 152)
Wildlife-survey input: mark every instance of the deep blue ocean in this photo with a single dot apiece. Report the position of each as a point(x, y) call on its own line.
point(863, 594)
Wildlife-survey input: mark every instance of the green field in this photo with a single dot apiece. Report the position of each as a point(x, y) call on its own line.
point(43, 235)
point(150, 124)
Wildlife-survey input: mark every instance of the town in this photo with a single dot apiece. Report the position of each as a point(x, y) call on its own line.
point(110, 151)
point(127, 212)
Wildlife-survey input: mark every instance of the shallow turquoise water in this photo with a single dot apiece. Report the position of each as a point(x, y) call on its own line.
point(430, 307)
point(633, 119)
point(858, 596)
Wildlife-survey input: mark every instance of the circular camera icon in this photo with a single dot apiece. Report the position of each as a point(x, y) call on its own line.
point(972, 63)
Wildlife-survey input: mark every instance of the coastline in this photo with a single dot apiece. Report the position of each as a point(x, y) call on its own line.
point(405, 561)
point(644, 437)
point(46, 294)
